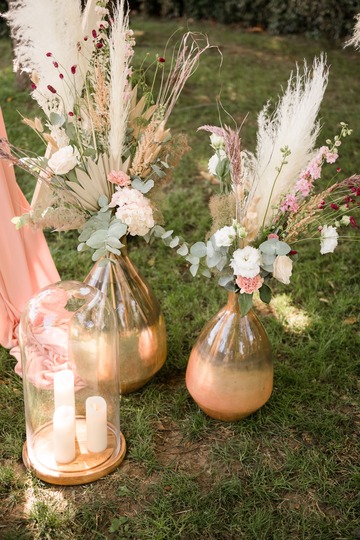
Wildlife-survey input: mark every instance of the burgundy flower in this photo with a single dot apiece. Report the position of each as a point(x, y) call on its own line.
point(293, 252)
point(48, 54)
point(85, 38)
point(56, 64)
point(94, 33)
point(161, 59)
point(70, 113)
point(99, 45)
point(51, 88)
point(321, 205)
point(353, 222)
point(338, 169)
point(61, 75)
point(73, 70)
point(334, 206)
point(33, 86)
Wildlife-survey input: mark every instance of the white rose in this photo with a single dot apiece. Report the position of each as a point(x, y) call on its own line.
point(246, 262)
point(64, 160)
point(217, 141)
point(283, 269)
point(214, 160)
point(225, 236)
point(329, 239)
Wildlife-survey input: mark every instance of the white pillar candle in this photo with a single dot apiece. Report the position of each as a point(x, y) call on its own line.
point(64, 393)
point(96, 424)
point(64, 434)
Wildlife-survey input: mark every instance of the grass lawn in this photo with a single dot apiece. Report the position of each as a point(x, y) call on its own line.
point(289, 471)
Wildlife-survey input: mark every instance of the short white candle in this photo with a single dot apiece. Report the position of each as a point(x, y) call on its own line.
point(64, 393)
point(96, 424)
point(64, 434)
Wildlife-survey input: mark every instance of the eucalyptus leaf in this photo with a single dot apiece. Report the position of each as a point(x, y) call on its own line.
point(174, 242)
point(192, 259)
point(141, 186)
point(282, 248)
point(245, 301)
point(198, 249)
point(214, 260)
point(268, 259)
point(113, 250)
point(98, 254)
point(183, 250)
point(103, 201)
point(268, 247)
point(206, 272)
point(57, 119)
point(158, 171)
point(158, 231)
point(166, 234)
point(224, 280)
point(113, 242)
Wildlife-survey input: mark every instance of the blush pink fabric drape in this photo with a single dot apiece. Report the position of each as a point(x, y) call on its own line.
point(26, 265)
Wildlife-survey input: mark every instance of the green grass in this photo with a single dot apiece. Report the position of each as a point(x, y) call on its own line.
point(289, 471)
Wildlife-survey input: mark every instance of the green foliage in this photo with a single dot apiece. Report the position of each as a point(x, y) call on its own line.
point(329, 18)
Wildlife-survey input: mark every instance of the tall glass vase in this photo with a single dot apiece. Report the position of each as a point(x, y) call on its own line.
point(142, 345)
point(230, 370)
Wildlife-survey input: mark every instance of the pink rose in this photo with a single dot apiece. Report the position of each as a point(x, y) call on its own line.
point(120, 178)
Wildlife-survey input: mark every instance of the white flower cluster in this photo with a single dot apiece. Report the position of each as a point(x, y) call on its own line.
point(134, 210)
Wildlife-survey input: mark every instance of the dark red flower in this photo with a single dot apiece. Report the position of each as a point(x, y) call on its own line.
point(85, 38)
point(161, 59)
point(70, 113)
point(33, 86)
point(338, 169)
point(293, 252)
point(51, 88)
point(56, 64)
point(61, 75)
point(353, 222)
point(334, 206)
point(49, 54)
point(321, 205)
point(73, 70)
point(94, 33)
point(99, 45)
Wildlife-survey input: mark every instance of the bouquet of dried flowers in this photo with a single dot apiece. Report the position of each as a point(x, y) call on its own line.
point(109, 151)
point(271, 200)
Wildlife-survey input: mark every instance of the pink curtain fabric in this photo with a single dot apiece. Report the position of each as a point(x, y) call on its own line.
point(26, 265)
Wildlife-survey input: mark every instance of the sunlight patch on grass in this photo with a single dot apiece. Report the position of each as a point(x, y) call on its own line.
point(293, 318)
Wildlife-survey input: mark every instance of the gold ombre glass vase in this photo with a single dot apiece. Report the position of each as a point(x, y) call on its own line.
point(142, 344)
point(230, 370)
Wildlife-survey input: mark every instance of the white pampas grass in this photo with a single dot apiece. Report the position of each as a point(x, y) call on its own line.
point(119, 88)
point(41, 27)
point(355, 40)
point(293, 124)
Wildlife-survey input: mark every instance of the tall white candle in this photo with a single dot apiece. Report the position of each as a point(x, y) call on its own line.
point(64, 434)
point(96, 424)
point(64, 393)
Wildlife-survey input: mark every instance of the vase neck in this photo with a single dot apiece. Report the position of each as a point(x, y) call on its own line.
point(233, 302)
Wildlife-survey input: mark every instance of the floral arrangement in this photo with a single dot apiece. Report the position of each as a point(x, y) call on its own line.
point(109, 151)
point(270, 201)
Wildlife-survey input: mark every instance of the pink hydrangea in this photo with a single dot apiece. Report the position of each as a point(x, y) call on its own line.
point(120, 178)
point(249, 285)
point(289, 204)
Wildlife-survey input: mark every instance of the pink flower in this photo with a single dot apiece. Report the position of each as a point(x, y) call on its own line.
point(289, 204)
point(120, 178)
point(331, 157)
point(314, 169)
point(303, 185)
point(249, 285)
point(273, 235)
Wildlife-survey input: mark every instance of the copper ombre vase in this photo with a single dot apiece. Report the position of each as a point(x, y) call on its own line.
point(142, 334)
point(230, 370)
